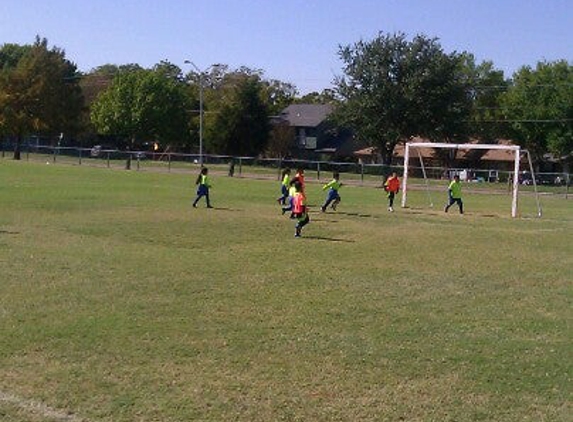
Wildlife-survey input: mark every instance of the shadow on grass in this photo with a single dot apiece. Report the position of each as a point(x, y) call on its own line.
point(436, 212)
point(356, 214)
point(221, 208)
point(328, 239)
point(8, 232)
point(224, 209)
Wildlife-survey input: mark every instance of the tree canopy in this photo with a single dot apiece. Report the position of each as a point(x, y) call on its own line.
point(239, 124)
point(539, 107)
point(39, 92)
point(393, 89)
point(143, 105)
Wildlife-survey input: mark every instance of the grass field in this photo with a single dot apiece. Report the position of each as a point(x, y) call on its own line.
point(120, 302)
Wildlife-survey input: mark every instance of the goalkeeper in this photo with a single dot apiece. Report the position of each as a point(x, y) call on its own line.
point(392, 187)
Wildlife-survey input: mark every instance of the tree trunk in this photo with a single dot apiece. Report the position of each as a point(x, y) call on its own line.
point(129, 149)
point(17, 147)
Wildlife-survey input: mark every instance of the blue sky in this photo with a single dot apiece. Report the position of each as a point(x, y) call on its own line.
point(295, 41)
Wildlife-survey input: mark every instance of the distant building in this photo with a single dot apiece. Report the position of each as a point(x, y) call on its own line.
point(317, 138)
point(487, 159)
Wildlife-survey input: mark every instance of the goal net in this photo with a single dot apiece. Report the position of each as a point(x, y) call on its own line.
point(412, 148)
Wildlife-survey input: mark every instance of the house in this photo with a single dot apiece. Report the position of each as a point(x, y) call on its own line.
point(315, 136)
point(486, 159)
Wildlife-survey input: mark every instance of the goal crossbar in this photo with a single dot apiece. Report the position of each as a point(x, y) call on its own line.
point(517, 155)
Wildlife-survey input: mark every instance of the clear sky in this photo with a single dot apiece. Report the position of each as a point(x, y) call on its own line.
point(295, 40)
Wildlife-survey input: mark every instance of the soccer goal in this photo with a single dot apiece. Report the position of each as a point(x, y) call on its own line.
point(517, 154)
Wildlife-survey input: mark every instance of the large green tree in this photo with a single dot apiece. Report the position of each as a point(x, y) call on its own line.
point(539, 106)
point(487, 86)
point(142, 105)
point(240, 123)
point(39, 92)
point(393, 89)
point(10, 55)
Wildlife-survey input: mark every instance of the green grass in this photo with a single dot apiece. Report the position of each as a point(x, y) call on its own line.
point(120, 302)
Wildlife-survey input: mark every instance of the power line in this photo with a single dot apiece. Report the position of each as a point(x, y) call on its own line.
point(522, 121)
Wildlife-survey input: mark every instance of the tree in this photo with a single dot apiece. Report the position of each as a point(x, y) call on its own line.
point(487, 86)
point(40, 94)
point(327, 96)
point(279, 95)
point(240, 125)
point(394, 89)
point(539, 106)
point(143, 105)
point(10, 55)
point(237, 107)
point(281, 139)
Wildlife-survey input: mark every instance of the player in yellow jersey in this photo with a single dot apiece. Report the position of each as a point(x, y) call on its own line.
point(203, 187)
point(332, 196)
point(285, 183)
point(455, 195)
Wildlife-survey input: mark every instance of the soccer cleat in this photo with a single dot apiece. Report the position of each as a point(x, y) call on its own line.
point(390, 209)
point(323, 209)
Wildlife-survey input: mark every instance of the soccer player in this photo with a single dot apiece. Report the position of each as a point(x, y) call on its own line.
point(289, 202)
point(284, 187)
point(455, 194)
point(332, 196)
point(300, 210)
point(203, 187)
point(392, 187)
point(300, 177)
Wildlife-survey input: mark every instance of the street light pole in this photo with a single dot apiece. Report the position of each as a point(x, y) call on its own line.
point(201, 92)
point(200, 73)
point(201, 119)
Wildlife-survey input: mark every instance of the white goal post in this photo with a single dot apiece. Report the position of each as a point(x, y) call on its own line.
point(517, 156)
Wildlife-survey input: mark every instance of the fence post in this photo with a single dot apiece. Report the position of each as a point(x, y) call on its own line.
point(169, 162)
point(361, 173)
point(80, 155)
point(240, 167)
point(107, 154)
point(318, 170)
point(138, 162)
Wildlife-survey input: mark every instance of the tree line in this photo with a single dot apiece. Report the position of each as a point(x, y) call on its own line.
point(391, 89)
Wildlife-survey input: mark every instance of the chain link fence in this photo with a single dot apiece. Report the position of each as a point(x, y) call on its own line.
point(268, 168)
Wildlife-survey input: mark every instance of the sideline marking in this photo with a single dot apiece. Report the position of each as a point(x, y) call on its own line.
point(39, 408)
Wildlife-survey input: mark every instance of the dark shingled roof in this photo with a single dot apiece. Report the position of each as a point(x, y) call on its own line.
point(306, 115)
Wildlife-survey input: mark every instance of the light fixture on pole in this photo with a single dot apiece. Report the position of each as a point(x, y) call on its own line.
point(201, 75)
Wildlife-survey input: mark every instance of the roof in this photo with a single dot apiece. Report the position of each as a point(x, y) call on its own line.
point(486, 155)
point(306, 115)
